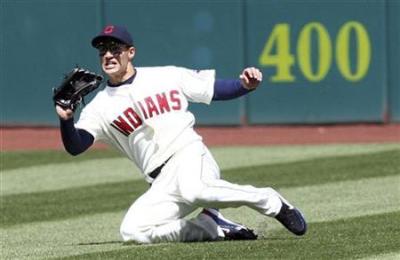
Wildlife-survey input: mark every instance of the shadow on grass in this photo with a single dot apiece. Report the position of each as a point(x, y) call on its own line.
point(100, 243)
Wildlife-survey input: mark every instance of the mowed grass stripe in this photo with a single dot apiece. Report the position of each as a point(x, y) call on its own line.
point(235, 157)
point(52, 177)
point(323, 170)
point(387, 256)
point(62, 204)
point(341, 239)
point(21, 159)
point(57, 176)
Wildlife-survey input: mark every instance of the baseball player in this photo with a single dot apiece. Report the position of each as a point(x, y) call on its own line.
point(143, 112)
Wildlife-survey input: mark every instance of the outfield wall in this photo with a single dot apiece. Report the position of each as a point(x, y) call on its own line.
point(323, 61)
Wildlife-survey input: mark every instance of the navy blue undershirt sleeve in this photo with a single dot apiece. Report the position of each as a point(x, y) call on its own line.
point(225, 89)
point(75, 140)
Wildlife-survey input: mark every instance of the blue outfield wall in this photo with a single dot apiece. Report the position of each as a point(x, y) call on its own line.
point(393, 22)
point(41, 40)
point(323, 61)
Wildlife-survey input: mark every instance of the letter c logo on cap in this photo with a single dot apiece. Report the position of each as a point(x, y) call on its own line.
point(109, 29)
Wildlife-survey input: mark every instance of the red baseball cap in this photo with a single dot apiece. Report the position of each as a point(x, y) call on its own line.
point(115, 32)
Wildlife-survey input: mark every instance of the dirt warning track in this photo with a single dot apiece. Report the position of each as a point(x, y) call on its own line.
point(40, 138)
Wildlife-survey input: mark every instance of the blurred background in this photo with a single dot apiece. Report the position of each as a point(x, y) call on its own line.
point(324, 62)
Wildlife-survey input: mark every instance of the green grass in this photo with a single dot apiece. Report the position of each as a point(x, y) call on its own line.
point(356, 237)
point(44, 206)
point(349, 195)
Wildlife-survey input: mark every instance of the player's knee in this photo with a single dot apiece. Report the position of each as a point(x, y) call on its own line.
point(131, 232)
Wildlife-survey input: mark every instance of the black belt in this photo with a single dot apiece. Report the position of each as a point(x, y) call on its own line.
point(157, 170)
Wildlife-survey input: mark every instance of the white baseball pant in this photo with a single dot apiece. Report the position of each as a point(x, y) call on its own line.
point(190, 179)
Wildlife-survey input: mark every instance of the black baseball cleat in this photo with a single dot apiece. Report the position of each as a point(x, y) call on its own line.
point(292, 219)
point(231, 230)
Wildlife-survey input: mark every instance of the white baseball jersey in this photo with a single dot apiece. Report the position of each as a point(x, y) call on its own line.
point(148, 119)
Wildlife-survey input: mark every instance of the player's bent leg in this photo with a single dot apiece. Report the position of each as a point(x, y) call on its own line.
point(155, 218)
point(198, 185)
point(265, 200)
point(213, 192)
point(222, 194)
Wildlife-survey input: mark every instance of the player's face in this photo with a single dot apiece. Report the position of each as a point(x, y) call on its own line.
point(115, 58)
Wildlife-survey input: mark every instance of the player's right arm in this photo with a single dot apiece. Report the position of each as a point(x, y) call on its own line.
point(75, 140)
point(201, 85)
point(249, 80)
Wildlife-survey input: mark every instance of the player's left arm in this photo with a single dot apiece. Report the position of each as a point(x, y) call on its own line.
point(75, 140)
point(249, 80)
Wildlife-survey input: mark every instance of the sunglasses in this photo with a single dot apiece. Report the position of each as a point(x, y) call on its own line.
point(114, 48)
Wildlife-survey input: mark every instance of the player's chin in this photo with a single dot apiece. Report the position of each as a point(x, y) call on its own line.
point(111, 70)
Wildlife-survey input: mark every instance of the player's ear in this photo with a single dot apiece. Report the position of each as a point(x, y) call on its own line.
point(131, 52)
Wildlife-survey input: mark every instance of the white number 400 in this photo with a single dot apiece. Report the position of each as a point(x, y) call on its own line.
point(276, 52)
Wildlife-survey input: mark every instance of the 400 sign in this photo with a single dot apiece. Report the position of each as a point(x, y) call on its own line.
point(276, 52)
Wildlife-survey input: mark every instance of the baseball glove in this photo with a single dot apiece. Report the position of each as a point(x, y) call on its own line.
point(75, 86)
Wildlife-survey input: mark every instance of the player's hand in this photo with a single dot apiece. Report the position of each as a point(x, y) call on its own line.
point(64, 113)
point(251, 78)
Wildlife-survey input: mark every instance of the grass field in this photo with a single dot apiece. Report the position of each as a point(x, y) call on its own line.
point(57, 206)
